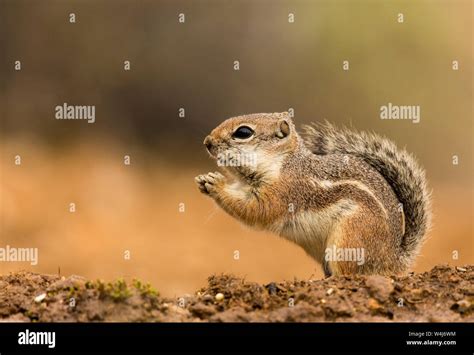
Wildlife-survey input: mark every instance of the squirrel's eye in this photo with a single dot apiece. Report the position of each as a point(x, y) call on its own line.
point(243, 132)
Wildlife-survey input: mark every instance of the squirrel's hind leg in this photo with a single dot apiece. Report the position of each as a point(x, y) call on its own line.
point(326, 269)
point(358, 245)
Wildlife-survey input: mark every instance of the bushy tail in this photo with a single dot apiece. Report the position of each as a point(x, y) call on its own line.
point(398, 167)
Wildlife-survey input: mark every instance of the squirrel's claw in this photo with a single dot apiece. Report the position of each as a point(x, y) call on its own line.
point(208, 183)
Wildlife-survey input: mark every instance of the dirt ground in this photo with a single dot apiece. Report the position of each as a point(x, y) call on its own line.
point(444, 294)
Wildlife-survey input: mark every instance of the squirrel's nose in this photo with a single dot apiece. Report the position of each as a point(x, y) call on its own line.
point(208, 143)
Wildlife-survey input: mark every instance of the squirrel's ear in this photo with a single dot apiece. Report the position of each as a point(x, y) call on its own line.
point(283, 128)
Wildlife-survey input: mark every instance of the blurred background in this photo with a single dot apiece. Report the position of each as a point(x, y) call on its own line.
point(190, 65)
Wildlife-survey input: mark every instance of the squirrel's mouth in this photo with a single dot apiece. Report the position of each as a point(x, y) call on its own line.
point(244, 173)
point(240, 164)
point(236, 163)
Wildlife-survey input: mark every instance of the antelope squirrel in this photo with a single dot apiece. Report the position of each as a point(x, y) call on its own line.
point(329, 189)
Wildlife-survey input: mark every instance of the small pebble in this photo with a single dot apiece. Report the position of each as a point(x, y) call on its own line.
point(40, 298)
point(328, 292)
point(207, 298)
point(272, 288)
point(461, 269)
point(463, 306)
point(373, 304)
point(219, 297)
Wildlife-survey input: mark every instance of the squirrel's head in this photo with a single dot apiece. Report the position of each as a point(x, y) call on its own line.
point(253, 145)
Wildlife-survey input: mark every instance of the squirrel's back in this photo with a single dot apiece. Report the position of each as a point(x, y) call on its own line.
point(398, 167)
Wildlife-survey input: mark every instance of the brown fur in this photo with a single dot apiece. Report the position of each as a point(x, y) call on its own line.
point(319, 201)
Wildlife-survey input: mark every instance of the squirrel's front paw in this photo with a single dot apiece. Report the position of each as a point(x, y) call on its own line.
point(210, 183)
